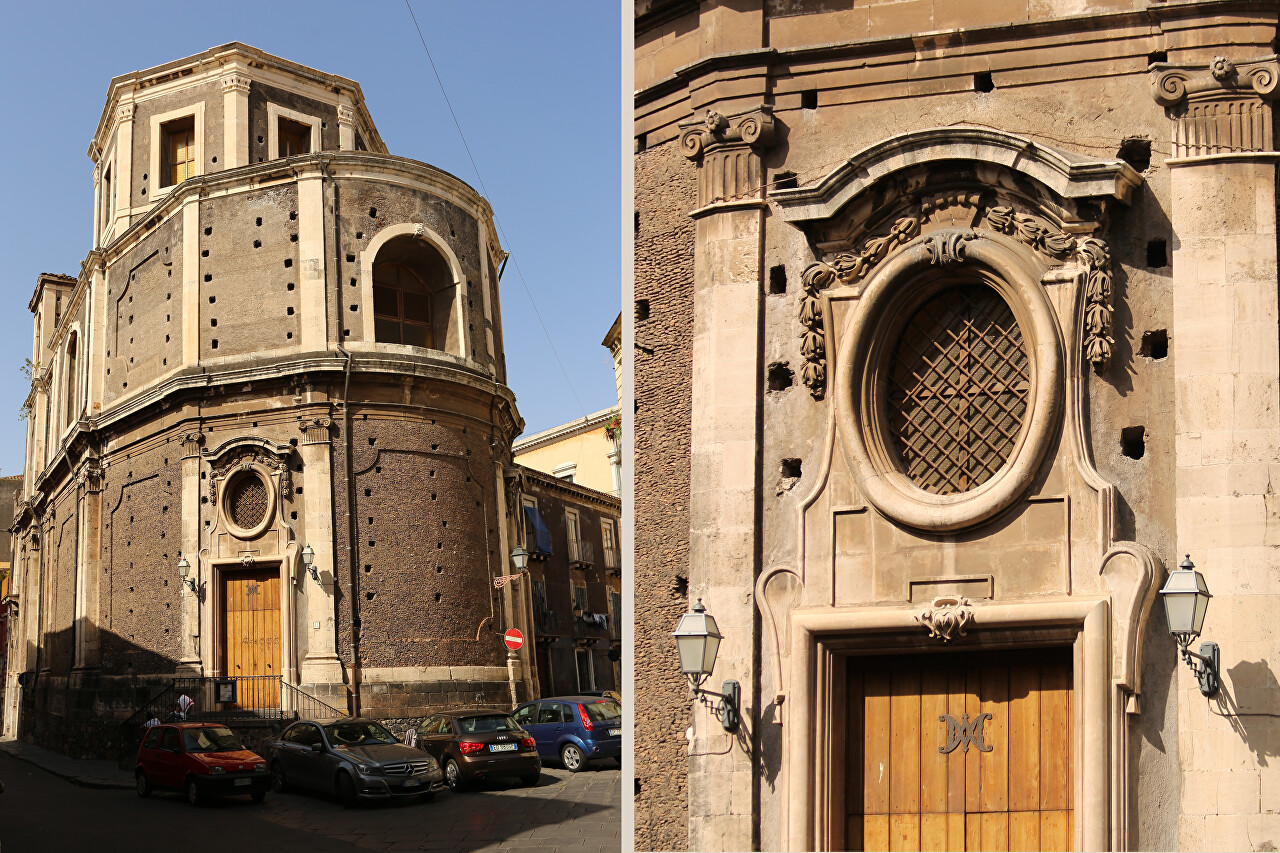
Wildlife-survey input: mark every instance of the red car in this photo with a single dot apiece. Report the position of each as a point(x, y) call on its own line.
point(204, 760)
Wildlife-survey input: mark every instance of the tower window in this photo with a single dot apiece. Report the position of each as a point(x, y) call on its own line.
point(401, 306)
point(178, 148)
point(295, 137)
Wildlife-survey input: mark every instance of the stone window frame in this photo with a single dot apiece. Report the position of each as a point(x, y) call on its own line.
point(526, 500)
point(861, 357)
point(275, 112)
point(195, 111)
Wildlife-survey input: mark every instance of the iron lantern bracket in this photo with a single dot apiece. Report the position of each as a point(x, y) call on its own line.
point(728, 711)
point(1204, 665)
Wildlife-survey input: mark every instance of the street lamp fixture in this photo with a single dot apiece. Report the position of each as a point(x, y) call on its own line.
point(698, 640)
point(520, 559)
point(184, 569)
point(1186, 600)
point(309, 562)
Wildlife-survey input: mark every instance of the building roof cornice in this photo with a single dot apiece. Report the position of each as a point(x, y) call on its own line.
point(576, 491)
point(563, 431)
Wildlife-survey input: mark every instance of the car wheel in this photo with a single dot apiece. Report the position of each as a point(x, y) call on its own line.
point(572, 758)
point(346, 791)
point(278, 782)
point(144, 787)
point(194, 796)
point(530, 779)
point(258, 796)
point(453, 776)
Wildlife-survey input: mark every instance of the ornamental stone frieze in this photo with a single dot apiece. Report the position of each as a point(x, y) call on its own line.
point(727, 151)
point(1219, 108)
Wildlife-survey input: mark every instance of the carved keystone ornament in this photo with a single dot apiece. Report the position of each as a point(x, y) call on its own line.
point(947, 618)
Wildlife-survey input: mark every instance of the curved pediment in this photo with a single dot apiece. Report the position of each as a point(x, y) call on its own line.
point(1070, 177)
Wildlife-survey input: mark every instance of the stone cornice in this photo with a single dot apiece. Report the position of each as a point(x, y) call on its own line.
point(581, 493)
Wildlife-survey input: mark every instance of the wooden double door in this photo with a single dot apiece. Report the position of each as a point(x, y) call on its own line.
point(251, 633)
point(959, 751)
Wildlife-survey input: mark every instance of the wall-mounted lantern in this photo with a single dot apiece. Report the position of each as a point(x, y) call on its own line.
point(184, 570)
point(1186, 600)
point(520, 559)
point(309, 563)
point(698, 640)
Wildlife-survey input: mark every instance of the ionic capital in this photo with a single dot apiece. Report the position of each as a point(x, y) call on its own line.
point(235, 83)
point(347, 115)
point(727, 150)
point(315, 430)
point(1218, 108)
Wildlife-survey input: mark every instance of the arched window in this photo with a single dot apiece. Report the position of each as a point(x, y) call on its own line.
point(69, 387)
point(401, 306)
point(413, 295)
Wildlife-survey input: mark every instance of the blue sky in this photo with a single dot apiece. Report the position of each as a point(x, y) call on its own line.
point(536, 87)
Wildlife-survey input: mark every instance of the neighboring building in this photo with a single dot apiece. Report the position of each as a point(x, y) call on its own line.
point(9, 488)
point(284, 342)
point(586, 451)
point(575, 590)
point(956, 328)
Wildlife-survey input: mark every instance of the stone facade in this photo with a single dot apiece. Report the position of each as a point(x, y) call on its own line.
point(214, 388)
point(808, 176)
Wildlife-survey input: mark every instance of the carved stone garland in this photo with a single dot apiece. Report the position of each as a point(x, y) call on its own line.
point(243, 460)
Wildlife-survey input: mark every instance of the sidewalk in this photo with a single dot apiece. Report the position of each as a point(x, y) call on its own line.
point(89, 773)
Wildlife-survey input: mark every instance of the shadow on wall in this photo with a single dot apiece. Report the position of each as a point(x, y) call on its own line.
point(1249, 705)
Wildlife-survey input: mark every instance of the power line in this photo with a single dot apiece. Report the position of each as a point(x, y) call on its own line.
point(496, 221)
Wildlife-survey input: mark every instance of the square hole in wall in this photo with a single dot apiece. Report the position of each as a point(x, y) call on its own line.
point(982, 82)
point(1136, 151)
point(1155, 344)
point(1157, 254)
point(778, 279)
point(1133, 441)
point(642, 309)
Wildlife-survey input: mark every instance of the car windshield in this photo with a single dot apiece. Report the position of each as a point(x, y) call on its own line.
point(482, 725)
point(604, 710)
point(358, 734)
point(210, 739)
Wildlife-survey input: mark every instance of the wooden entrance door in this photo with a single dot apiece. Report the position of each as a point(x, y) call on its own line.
point(928, 769)
point(251, 633)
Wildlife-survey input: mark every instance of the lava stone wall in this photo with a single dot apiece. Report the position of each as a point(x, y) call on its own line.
point(249, 273)
point(665, 191)
point(260, 94)
point(58, 582)
point(208, 93)
point(144, 312)
point(139, 594)
point(427, 543)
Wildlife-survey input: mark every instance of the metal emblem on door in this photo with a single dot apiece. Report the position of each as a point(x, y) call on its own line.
point(964, 732)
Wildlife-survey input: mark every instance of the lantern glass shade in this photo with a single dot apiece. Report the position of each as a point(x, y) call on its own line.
point(1186, 600)
point(520, 559)
point(308, 556)
point(184, 567)
point(698, 641)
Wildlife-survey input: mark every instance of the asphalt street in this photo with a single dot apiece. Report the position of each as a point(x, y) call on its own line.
point(42, 813)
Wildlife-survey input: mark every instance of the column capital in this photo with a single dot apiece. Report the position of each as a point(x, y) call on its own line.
point(191, 442)
point(124, 112)
point(315, 430)
point(731, 147)
point(346, 115)
point(235, 83)
point(1218, 108)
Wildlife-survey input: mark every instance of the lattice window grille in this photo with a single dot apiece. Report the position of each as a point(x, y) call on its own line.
point(247, 504)
point(958, 387)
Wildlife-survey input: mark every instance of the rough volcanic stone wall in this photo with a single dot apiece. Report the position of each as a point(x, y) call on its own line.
point(666, 189)
point(249, 273)
point(259, 139)
point(142, 612)
point(144, 312)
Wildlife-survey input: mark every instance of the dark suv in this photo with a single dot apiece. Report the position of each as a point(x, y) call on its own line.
point(476, 744)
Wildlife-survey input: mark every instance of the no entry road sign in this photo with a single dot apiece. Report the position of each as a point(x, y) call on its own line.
point(514, 639)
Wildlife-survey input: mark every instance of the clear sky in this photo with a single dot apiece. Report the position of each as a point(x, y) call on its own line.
point(536, 87)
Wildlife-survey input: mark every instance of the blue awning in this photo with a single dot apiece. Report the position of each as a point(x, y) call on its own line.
point(541, 536)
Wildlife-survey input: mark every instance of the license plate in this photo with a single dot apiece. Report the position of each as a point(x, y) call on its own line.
point(243, 783)
point(615, 732)
point(412, 783)
point(502, 747)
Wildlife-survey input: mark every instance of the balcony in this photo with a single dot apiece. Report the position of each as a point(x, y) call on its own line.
point(587, 625)
point(581, 553)
point(613, 561)
point(546, 623)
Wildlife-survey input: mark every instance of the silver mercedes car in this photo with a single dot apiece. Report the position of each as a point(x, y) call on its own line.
point(353, 760)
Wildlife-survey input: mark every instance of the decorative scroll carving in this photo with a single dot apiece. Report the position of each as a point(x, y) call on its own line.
point(1090, 252)
point(727, 150)
point(243, 459)
point(946, 248)
point(90, 477)
point(315, 430)
point(947, 618)
point(1218, 109)
point(852, 266)
point(236, 83)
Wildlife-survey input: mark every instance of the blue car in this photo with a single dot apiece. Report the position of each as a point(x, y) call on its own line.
point(573, 729)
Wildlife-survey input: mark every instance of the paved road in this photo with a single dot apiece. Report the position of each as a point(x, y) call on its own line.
point(40, 812)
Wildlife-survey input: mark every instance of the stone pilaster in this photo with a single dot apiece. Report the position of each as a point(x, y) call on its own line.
point(346, 127)
point(1226, 365)
point(314, 308)
point(88, 565)
point(235, 123)
point(124, 166)
point(192, 641)
point(320, 663)
point(191, 281)
point(724, 538)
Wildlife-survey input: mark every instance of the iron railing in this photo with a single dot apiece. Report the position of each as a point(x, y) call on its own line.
point(306, 706)
point(546, 623)
point(581, 552)
point(612, 559)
